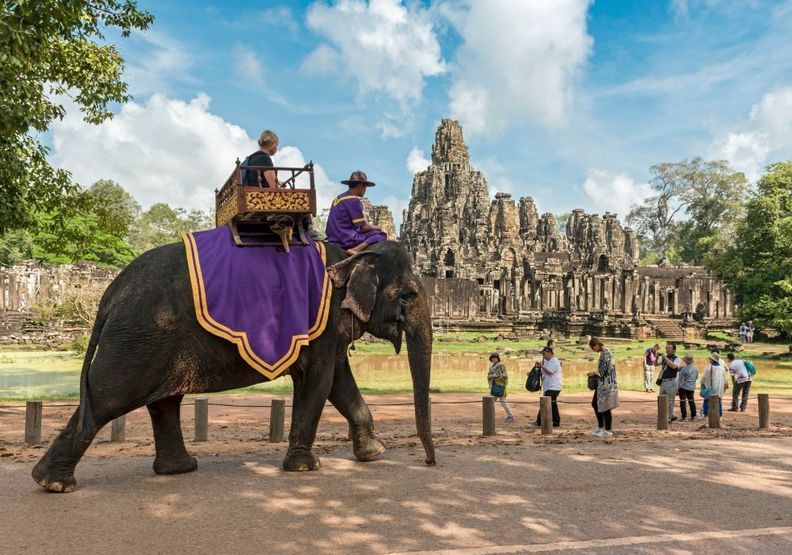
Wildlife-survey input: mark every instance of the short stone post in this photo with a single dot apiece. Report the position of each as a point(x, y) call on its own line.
point(546, 411)
point(118, 429)
point(714, 414)
point(33, 411)
point(662, 412)
point(277, 419)
point(764, 411)
point(488, 414)
point(201, 419)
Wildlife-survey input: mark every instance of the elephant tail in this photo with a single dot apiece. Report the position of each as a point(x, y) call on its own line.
point(86, 420)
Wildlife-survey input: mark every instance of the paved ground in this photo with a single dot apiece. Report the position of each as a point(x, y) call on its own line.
point(648, 496)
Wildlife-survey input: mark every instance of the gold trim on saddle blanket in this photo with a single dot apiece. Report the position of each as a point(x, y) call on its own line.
point(239, 338)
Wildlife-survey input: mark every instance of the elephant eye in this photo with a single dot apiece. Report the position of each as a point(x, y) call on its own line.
point(408, 295)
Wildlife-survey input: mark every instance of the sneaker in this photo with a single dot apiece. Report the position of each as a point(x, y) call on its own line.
point(693, 418)
point(742, 410)
point(599, 432)
point(683, 418)
point(509, 419)
point(673, 418)
point(535, 424)
point(607, 433)
point(732, 410)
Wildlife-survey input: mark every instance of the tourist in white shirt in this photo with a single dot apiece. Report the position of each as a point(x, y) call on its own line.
point(741, 379)
point(551, 383)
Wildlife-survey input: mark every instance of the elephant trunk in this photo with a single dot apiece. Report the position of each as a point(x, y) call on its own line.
point(418, 329)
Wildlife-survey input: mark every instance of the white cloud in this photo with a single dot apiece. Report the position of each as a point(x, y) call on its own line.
point(280, 16)
point(397, 206)
point(416, 161)
point(386, 47)
point(248, 70)
point(157, 62)
point(613, 192)
point(165, 150)
point(765, 137)
point(518, 62)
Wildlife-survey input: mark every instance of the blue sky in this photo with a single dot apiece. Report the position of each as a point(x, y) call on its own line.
point(568, 101)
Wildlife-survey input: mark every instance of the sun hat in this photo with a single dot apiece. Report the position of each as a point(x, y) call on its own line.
point(715, 357)
point(688, 358)
point(358, 177)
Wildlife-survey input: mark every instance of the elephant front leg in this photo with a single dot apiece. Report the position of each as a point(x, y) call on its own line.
point(346, 397)
point(311, 388)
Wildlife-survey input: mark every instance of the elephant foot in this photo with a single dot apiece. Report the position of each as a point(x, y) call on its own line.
point(175, 465)
point(300, 461)
point(368, 449)
point(53, 480)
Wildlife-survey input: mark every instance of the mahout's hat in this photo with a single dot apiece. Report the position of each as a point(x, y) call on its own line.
point(358, 177)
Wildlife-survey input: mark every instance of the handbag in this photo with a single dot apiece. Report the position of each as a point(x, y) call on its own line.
point(534, 381)
point(607, 397)
point(497, 389)
point(593, 382)
point(705, 392)
point(659, 380)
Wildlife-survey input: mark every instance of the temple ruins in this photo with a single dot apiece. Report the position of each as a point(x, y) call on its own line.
point(497, 260)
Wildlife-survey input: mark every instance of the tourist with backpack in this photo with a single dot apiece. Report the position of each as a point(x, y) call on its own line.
point(714, 382)
point(741, 380)
point(743, 333)
point(606, 389)
point(551, 382)
point(498, 378)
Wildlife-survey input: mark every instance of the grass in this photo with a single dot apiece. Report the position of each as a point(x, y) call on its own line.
point(460, 365)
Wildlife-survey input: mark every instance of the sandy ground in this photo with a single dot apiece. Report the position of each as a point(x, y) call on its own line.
point(644, 491)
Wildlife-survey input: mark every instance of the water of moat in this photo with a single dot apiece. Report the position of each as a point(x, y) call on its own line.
point(48, 374)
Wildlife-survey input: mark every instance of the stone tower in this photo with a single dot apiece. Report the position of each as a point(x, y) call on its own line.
point(447, 220)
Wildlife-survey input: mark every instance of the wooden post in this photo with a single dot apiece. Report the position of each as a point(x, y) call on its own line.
point(714, 413)
point(201, 419)
point(118, 429)
point(488, 414)
point(662, 412)
point(546, 410)
point(277, 418)
point(764, 411)
point(33, 422)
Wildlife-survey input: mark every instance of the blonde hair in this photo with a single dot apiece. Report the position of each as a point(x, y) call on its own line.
point(267, 138)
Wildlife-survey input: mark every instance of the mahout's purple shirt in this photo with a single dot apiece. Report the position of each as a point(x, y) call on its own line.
point(344, 222)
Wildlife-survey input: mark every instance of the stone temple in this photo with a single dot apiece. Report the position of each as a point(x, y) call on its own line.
point(498, 261)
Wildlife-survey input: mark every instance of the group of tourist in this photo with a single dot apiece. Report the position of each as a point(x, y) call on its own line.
point(346, 224)
point(747, 332)
point(677, 377)
point(602, 381)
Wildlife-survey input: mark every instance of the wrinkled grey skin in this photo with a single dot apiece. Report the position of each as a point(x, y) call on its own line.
point(147, 349)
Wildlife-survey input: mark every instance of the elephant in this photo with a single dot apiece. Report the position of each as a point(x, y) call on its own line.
point(147, 349)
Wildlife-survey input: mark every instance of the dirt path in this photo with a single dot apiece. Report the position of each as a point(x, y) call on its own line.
point(592, 497)
point(726, 490)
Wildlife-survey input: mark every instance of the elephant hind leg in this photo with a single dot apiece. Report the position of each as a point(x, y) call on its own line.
point(346, 397)
point(172, 456)
point(55, 470)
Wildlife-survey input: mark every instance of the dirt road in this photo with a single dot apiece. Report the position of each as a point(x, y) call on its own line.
point(682, 491)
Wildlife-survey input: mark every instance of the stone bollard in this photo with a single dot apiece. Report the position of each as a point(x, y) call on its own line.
point(488, 414)
point(277, 420)
point(201, 419)
point(662, 412)
point(714, 413)
point(33, 422)
point(118, 429)
point(764, 411)
point(546, 410)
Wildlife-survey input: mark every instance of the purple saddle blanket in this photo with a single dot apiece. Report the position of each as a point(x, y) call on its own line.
point(268, 302)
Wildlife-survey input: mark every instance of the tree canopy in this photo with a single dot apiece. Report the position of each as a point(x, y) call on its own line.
point(51, 50)
point(758, 266)
point(692, 212)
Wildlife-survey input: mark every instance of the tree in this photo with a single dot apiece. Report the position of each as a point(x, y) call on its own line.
point(757, 266)
point(51, 49)
point(116, 209)
point(708, 194)
point(162, 224)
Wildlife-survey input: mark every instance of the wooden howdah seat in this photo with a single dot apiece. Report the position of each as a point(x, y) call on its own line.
point(259, 216)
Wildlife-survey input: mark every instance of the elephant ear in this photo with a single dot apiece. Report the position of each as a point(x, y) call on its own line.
point(361, 281)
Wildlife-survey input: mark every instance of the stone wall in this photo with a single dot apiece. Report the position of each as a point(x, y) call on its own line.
point(380, 216)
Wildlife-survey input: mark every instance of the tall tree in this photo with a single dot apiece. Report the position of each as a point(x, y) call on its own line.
point(757, 265)
point(115, 207)
point(162, 224)
point(50, 49)
point(694, 208)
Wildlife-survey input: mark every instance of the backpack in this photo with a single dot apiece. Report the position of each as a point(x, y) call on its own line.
point(534, 381)
point(750, 367)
